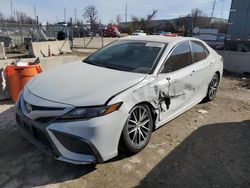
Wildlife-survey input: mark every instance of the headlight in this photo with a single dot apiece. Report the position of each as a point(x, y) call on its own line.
point(91, 112)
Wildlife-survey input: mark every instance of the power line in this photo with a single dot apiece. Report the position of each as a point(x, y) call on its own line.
point(212, 14)
point(222, 10)
point(34, 7)
point(64, 13)
point(126, 13)
point(75, 14)
point(221, 16)
point(11, 8)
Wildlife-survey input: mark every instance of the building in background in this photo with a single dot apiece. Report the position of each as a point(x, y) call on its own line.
point(238, 33)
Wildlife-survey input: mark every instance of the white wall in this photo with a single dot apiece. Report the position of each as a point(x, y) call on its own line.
point(237, 62)
point(2, 51)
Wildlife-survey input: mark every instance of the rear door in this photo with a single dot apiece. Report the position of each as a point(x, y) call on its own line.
point(202, 68)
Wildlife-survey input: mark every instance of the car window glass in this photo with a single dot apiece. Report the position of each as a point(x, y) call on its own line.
point(179, 58)
point(199, 51)
point(129, 56)
point(206, 51)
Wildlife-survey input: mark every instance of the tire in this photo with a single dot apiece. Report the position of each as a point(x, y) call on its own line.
point(137, 129)
point(212, 88)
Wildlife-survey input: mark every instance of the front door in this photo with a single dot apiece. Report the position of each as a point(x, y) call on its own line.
point(177, 82)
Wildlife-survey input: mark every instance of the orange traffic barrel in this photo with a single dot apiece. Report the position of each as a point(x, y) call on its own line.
point(18, 76)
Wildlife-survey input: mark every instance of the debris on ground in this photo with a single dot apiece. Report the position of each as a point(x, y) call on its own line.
point(244, 80)
point(203, 111)
point(194, 149)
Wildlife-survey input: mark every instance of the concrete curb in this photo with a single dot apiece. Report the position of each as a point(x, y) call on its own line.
point(236, 62)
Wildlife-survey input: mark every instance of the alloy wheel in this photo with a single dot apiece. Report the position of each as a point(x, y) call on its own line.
point(213, 86)
point(138, 126)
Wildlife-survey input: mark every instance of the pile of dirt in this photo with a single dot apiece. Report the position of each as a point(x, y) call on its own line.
point(244, 79)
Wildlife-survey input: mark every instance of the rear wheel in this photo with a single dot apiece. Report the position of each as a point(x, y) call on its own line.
point(212, 88)
point(138, 128)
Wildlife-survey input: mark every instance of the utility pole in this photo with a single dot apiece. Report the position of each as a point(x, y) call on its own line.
point(221, 15)
point(126, 13)
point(212, 14)
point(34, 7)
point(64, 13)
point(11, 8)
point(72, 33)
point(75, 15)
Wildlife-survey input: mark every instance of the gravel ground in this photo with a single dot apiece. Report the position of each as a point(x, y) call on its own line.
point(196, 149)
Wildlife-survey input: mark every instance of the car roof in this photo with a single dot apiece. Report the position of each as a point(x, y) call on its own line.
point(156, 38)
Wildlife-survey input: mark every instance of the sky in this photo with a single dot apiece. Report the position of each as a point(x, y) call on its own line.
point(53, 10)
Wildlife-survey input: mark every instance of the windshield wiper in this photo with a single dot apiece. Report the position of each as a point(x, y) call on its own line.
point(100, 64)
point(116, 67)
point(90, 62)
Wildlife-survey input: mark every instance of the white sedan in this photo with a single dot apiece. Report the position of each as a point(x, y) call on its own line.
point(139, 33)
point(84, 112)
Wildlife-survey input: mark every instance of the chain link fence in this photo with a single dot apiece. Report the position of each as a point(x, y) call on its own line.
point(80, 36)
point(21, 33)
point(16, 32)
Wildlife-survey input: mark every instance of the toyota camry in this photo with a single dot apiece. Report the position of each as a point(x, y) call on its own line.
point(85, 112)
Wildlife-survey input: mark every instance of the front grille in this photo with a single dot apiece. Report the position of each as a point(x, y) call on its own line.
point(26, 127)
point(34, 132)
point(45, 108)
point(45, 119)
point(41, 137)
point(40, 108)
point(73, 144)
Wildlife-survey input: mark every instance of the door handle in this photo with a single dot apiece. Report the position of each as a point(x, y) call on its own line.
point(192, 73)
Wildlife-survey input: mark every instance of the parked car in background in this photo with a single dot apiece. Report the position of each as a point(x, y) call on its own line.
point(84, 112)
point(218, 44)
point(168, 34)
point(139, 32)
point(211, 36)
point(111, 31)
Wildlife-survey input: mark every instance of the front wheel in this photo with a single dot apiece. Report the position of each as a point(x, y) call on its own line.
point(138, 129)
point(212, 88)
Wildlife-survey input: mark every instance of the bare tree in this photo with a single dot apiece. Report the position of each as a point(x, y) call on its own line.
point(152, 15)
point(22, 17)
point(135, 24)
point(19, 16)
point(143, 23)
point(118, 19)
point(1, 16)
point(199, 18)
point(90, 14)
point(147, 23)
point(195, 14)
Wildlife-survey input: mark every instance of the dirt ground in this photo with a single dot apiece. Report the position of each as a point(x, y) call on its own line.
point(195, 149)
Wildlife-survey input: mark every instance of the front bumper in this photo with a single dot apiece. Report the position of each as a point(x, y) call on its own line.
point(78, 142)
point(37, 135)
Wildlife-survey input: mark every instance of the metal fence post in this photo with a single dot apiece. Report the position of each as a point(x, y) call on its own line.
point(84, 36)
point(72, 37)
point(21, 34)
point(102, 38)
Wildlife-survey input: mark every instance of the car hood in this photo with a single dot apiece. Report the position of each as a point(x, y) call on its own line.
point(82, 84)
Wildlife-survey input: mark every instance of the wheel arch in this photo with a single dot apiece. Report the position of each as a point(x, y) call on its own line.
point(154, 117)
point(219, 74)
point(151, 108)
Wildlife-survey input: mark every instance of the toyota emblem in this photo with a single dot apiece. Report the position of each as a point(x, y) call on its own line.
point(28, 107)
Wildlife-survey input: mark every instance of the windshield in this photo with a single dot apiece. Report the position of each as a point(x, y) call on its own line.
point(132, 56)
